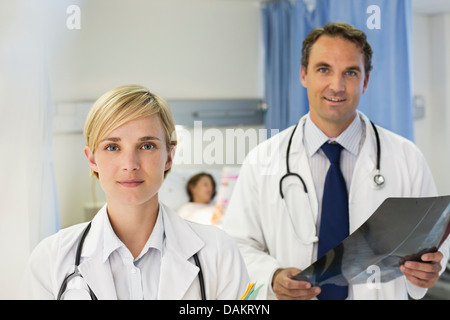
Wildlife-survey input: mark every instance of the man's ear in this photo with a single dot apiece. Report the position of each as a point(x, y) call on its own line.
point(303, 76)
point(91, 159)
point(366, 82)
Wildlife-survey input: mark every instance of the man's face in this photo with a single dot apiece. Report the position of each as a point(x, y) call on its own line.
point(335, 80)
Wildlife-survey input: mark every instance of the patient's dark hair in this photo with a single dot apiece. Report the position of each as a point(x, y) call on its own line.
point(338, 29)
point(193, 181)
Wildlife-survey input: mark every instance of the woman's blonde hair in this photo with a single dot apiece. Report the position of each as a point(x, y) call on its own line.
point(121, 105)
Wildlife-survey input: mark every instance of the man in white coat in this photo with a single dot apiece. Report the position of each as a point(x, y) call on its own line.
point(278, 237)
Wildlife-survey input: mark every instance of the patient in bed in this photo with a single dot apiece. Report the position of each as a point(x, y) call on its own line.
point(201, 189)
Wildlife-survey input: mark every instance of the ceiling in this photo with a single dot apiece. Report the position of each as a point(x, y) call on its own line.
point(419, 6)
point(431, 6)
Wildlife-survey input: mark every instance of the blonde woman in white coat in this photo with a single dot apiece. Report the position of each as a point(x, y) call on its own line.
point(136, 248)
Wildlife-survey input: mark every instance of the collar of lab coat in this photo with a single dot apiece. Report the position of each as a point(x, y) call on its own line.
point(177, 272)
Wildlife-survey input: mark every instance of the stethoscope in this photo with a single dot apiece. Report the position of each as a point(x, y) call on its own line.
point(77, 273)
point(378, 177)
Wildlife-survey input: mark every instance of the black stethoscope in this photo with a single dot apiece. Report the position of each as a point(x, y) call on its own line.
point(378, 177)
point(77, 273)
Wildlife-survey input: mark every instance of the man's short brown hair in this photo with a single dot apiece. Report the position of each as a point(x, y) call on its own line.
point(338, 29)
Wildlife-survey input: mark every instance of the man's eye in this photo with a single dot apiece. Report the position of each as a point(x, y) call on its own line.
point(322, 70)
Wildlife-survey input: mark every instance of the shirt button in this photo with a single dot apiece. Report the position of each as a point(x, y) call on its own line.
point(133, 270)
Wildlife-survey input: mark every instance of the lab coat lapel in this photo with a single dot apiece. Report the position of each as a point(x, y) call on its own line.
point(362, 184)
point(177, 275)
point(95, 272)
point(365, 165)
point(99, 278)
point(177, 272)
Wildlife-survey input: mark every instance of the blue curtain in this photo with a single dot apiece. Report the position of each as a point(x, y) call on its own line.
point(388, 100)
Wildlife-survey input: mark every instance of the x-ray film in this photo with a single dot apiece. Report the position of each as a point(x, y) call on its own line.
point(400, 229)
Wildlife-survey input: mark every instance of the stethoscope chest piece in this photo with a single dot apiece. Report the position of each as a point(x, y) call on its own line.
point(379, 180)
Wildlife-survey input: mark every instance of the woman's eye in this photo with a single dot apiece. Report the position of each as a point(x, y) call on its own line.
point(148, 146)
point(112, 148)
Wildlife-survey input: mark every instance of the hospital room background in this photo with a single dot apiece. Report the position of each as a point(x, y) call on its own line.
point(209, 59)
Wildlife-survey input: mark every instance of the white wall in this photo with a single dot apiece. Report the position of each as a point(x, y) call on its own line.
point(180, 49)
point(431, 37)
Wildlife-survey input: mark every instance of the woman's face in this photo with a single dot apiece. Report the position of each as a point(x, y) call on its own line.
point(202, 191)
point(131, 161)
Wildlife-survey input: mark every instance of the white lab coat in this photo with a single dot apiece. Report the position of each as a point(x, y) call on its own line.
point(270, 237)
point(224, 271)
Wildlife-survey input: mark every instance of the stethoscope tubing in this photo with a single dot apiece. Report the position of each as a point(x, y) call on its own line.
point(378, 178)
point(76, 273)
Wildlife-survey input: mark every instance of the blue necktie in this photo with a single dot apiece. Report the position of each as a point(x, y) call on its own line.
point(334, 224)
